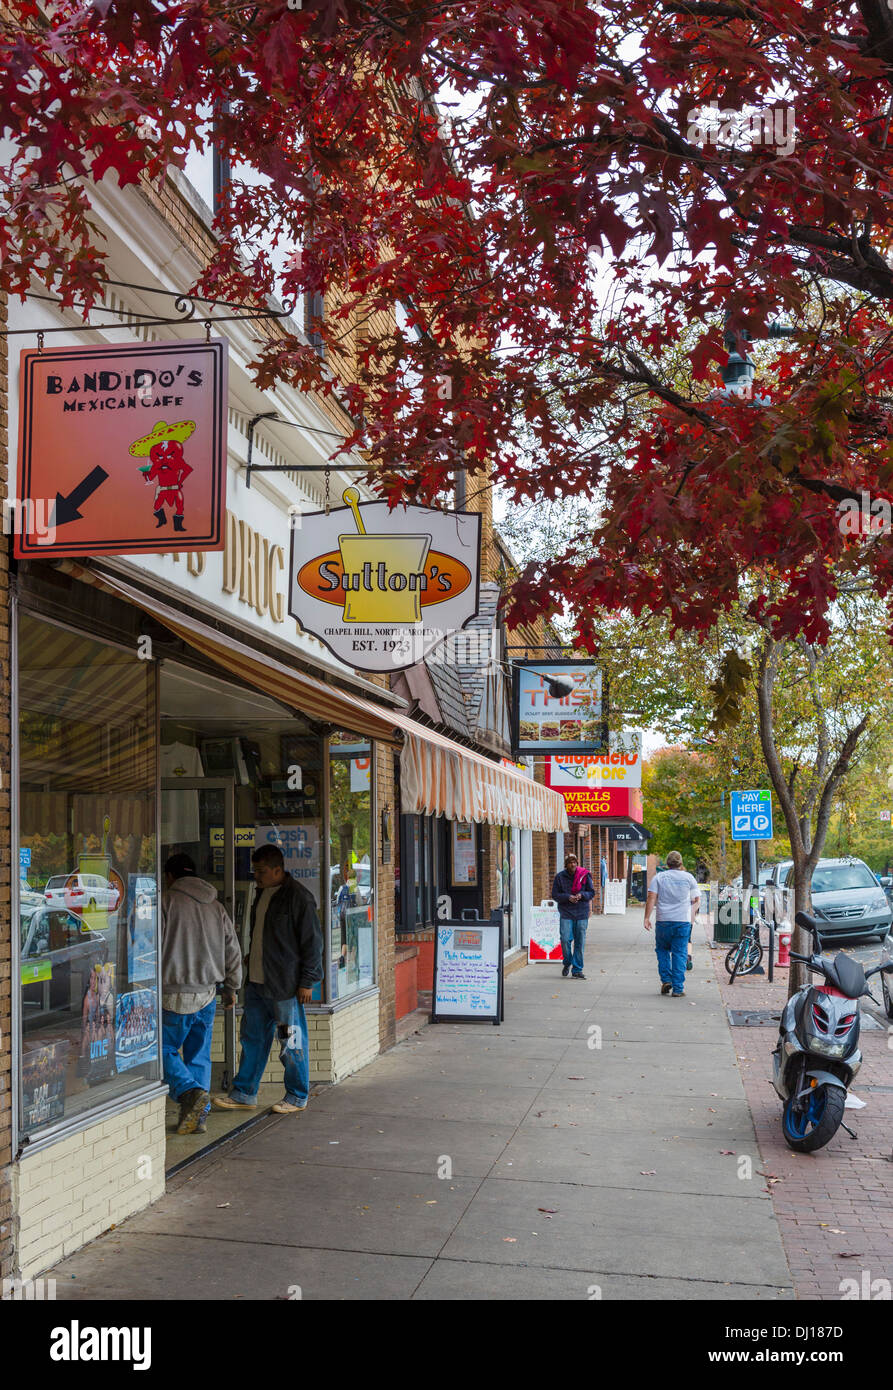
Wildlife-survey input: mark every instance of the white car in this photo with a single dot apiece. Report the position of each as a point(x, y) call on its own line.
point(29, 897)
point(81, 893)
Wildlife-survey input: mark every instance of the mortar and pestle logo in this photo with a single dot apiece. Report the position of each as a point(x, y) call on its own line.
point(384, 574)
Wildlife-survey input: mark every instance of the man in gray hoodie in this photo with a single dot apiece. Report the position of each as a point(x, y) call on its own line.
point(199, 949)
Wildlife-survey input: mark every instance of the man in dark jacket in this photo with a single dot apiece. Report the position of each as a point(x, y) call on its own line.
point(573, 890)
point(284, 963)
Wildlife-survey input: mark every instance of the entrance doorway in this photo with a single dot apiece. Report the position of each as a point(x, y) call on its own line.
point(229, 783)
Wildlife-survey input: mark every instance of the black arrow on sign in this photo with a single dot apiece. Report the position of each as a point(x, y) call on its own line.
point(66, 508)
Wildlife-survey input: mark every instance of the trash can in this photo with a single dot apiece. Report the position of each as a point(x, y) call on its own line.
point(727, 921)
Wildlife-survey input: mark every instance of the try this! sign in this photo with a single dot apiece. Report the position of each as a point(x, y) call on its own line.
point(558, 707)
point(380, 587)
point(122, 450)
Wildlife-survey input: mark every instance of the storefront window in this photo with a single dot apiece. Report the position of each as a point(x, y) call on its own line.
point(87, 873)
point(419, 854)
point(352, 865)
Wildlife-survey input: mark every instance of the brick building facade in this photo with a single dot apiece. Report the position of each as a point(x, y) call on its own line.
point(65, 1179)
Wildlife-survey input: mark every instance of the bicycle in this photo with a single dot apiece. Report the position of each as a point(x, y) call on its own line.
point(744, 957)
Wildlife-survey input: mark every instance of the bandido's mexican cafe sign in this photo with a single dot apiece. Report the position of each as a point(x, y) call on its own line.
point(380, 587)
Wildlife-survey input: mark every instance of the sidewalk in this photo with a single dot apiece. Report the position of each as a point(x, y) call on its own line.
point(569, 1170)
point(834, 1207)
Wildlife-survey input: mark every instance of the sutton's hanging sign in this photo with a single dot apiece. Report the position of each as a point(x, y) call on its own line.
point(382, 588)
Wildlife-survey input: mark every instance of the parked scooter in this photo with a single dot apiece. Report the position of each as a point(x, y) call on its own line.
point(818, 1054)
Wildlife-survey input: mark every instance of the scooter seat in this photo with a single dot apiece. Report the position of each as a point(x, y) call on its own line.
point(847, 975)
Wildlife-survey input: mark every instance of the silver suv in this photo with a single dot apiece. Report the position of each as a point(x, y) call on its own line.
point(847, 899)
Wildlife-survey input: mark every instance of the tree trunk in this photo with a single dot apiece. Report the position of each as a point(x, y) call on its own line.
point(806, 832)
point(801, 941)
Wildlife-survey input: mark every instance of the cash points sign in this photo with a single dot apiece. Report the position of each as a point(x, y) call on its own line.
point(380, 587)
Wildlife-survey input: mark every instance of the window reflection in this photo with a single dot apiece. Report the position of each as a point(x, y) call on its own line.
point(87, 891)
point(352, 916)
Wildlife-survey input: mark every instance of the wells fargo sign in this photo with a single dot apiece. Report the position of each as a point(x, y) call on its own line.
point(381, 588)
point(122, 450)
point(588, 798)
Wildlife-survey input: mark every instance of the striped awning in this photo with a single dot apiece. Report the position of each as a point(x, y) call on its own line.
point(438, 776)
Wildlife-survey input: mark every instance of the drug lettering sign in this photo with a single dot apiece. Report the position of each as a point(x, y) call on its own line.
point(122, 450)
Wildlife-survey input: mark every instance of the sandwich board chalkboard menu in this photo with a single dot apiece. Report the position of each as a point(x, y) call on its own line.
point(467, 973)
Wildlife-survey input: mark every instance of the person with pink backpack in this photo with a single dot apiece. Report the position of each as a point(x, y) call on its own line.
point(573, 891)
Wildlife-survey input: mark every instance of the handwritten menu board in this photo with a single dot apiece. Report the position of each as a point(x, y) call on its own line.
point(468, 972)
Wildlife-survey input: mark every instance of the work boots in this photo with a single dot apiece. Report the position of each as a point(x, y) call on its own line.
point(192, 1109)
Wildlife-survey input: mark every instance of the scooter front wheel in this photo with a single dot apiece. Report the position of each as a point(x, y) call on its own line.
point(811, 1128)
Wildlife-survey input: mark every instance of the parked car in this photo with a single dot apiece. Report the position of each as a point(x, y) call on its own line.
point(81, 893)
point(67, 945)
point(29, 897)
point(887, 885)
point(847, 899)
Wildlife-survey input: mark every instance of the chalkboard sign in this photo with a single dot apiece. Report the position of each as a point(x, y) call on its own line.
point(467, 973)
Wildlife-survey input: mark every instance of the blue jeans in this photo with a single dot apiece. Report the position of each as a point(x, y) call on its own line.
point(261, 1020)
point(573, 939)
point(671, 944)
point(191, 1035)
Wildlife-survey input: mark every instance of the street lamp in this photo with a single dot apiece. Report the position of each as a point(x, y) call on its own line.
point(739, 372)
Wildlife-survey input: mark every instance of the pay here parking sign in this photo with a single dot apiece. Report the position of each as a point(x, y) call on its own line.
point(752, 815)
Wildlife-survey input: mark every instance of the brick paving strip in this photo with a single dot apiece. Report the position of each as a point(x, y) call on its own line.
point(835, 1207)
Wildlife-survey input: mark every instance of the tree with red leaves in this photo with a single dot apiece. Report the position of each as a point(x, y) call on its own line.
point(595, 181)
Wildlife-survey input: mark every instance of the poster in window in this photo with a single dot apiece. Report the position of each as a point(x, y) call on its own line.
point(357, 952)
point(141, 952)
point(465, 863)
point(43, 1084)
point(97, 1055)
point(360, 774)
point(136, 1028)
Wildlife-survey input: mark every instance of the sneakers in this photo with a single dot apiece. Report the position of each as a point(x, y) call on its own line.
point(581, 976)
point(665, 989)
point(565, 972)
point(679, 994)
point(227, 1103)
point(287, 1107)
point(192, 1106)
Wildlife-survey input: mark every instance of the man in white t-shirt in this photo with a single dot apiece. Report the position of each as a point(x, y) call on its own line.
point(673, 895)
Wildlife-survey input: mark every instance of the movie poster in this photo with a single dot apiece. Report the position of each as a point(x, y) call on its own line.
point(140, 918)
point(97, 1055)
point(136, 1028)
point(43, 1084)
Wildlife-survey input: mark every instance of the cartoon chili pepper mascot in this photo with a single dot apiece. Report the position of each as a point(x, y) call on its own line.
point(168, 469)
